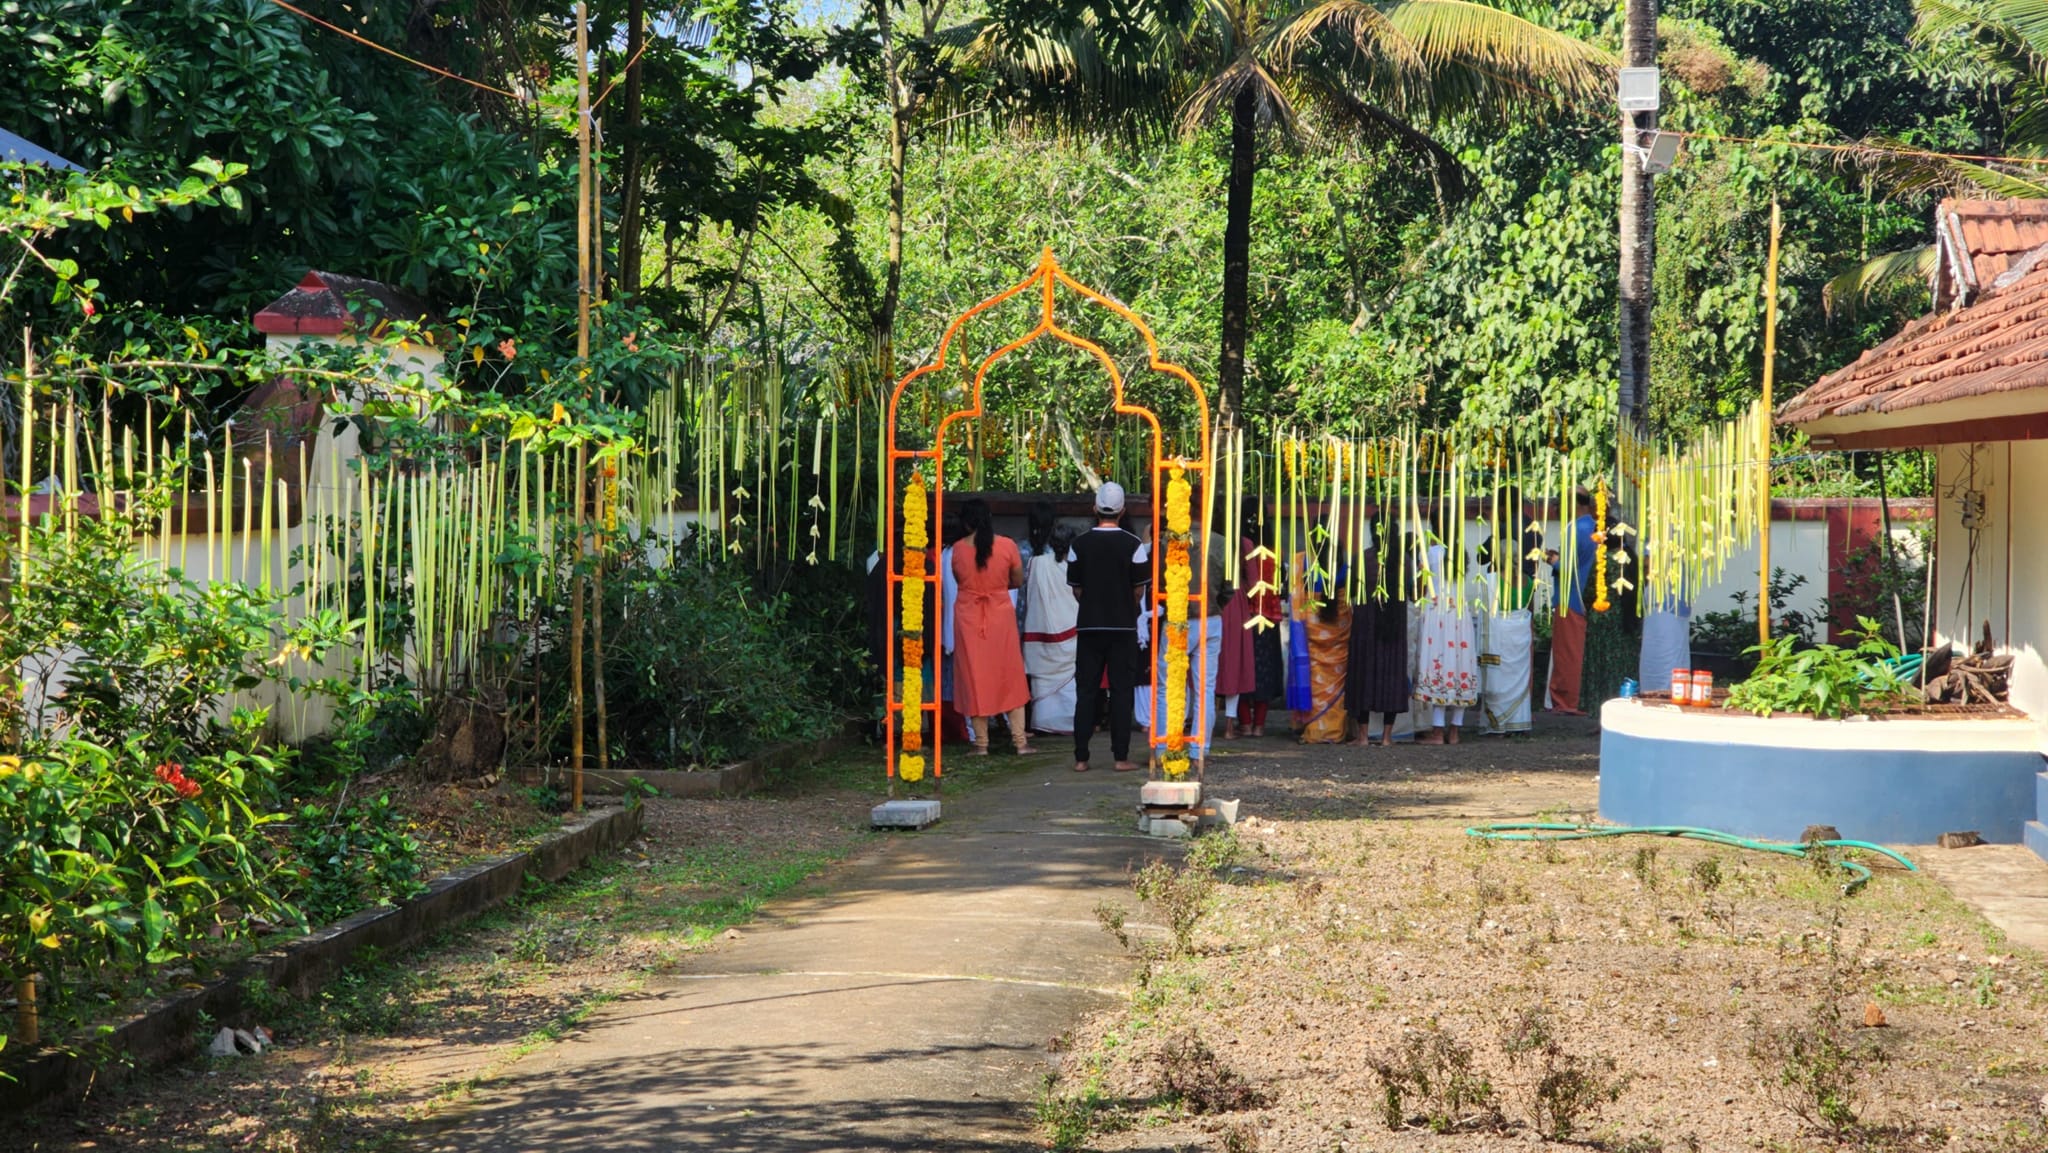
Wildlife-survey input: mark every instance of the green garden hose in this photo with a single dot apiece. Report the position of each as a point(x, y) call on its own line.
point(1859, 875)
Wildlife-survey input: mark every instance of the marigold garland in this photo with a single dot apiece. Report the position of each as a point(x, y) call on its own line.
point(1178, 577)
point(912, 613)
point(916, 514)
point(1600, 603)
point(1175, 766)
point(913, 697)
point(1178, 495)
point(910, 768)
point(1176, 685)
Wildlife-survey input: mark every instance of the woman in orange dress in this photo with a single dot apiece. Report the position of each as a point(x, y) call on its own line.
point(988, 657)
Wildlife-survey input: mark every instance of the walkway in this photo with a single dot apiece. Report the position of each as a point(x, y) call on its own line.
point(910, 1008)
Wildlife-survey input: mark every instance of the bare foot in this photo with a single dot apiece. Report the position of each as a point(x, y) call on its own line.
point(1026, 751)
point(1080, 766)
point(1387, 742)
point(1451, 737)
point(1432, 737)
point(1362, 741)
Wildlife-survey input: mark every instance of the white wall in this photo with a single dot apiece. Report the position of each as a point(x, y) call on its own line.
point(1995, 573)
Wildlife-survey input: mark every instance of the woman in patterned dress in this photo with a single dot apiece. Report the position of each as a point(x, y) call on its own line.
point(1447, 676)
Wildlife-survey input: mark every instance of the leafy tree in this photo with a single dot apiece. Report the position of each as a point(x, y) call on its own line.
point(1287, 68)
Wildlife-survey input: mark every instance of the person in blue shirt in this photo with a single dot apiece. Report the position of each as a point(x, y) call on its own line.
point(1568, 627)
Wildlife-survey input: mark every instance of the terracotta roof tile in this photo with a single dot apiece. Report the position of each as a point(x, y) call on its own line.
point(1997, 344)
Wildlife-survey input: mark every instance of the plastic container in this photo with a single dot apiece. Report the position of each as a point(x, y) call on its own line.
point(1628, 689)
point(1702, 689)
point(1681, 686)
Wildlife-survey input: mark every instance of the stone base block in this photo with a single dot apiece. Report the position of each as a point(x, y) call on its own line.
point(1177, 794)
point(904, 814)
point(1172, 828)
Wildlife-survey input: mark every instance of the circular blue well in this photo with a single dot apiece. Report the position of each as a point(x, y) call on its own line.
point(1894, 781)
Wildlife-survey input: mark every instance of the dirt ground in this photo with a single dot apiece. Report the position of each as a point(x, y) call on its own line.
point(1639, 993)
point(396, 1039)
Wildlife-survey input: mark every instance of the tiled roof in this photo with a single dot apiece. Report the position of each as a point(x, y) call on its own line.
point(1988, 333)
point(1997, 344)
point(330, 304)
point(1978, 241)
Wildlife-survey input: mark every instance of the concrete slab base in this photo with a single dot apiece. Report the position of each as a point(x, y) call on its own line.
point(1171, 828)
point(1177, 794)
point(905, 814)
point(1221, 814)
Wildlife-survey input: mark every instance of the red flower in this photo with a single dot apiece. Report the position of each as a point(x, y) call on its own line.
point(89, 309)
point(173, 774)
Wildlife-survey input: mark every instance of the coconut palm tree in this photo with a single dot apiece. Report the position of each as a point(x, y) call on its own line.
point(1284, 70)
point(2009, 41)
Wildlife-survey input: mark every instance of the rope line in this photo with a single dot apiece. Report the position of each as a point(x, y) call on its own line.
point(368, 43)
point(1715, 137)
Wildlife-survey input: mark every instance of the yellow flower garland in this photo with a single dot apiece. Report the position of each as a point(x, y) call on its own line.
point(916, 514)
point(1600, 604)
point(916, 536)
point(913, 699)
point(1176, 686)
point(912, 614)
point(1178, 494)
point(1179, 577)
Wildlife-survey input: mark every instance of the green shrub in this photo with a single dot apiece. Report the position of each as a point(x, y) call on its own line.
point(351, 854)
point(107, 860)
point(134, 804)
point(702, 667)
point(1823, 681)
point(112, 647)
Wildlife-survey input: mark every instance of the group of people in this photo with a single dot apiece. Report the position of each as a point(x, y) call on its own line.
point(1048, 635)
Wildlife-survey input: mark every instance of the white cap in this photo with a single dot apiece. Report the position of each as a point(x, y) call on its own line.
point(1109, 499)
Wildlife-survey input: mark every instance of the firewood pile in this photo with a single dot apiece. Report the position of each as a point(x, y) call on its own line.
point(1980, 678)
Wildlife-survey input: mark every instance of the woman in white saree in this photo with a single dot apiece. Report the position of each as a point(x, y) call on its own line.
point(1049, 644)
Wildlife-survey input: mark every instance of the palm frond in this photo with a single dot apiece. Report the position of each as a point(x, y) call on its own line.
point(1845, 293)
point(1379, 125)
point(2000, 183)
point(2012, 34)
point(1483, 58)
point(1214, 99)
point(1332, 29)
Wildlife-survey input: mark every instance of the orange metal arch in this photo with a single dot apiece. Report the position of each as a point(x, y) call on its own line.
point(1048, 277)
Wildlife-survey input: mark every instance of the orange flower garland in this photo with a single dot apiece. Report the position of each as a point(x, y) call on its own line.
point(916, 536)
point(1179, 576)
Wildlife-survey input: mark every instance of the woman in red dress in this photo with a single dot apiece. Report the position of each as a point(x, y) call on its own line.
point(988, 657)
point(1239, 682)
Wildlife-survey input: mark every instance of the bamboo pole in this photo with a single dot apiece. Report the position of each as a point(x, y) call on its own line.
point(1763, 440)
point(583, 290)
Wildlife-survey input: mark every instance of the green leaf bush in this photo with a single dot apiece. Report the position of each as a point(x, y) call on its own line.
point(1823, 680)
point(136, 804)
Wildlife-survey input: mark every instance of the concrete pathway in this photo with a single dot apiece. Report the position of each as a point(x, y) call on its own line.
point(909, 1008)
point(2006, 883)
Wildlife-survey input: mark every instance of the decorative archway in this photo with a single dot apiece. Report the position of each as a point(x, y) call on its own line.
point(913, 508)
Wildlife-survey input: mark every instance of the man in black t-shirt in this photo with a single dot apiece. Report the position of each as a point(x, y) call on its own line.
point(1107, 567)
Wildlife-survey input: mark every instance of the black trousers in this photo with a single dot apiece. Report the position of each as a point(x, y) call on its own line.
point(1094, 651)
